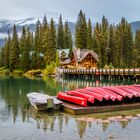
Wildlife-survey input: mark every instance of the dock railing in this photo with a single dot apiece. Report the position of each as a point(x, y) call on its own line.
point(103, 72)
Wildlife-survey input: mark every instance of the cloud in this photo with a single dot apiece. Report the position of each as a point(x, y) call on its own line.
point(113, 10)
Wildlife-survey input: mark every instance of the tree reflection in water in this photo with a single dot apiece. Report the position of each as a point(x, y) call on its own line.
point(59, 121)
point(14, 104)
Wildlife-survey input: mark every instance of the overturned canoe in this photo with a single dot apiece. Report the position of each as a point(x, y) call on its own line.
point(93, 94)
point(120, 92)
point(98, 95)
point(73, 99)
point(43, 102)
point(114, 96)
point(82, 95)
point(128, 90)
point(99, 91)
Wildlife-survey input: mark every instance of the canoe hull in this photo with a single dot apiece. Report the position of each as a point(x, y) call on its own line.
point(73, 99)
point(40, 104)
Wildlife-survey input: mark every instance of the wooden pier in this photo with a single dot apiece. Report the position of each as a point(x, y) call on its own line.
point(107, 73)
point(78, 110)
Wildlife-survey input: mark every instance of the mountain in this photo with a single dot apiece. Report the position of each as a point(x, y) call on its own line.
point(135, 26)
point(7, 25)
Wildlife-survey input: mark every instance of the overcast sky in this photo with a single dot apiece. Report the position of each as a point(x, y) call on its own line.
point(112, 9)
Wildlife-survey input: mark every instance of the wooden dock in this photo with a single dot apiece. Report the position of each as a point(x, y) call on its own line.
point(78, 110)
point(108, 73)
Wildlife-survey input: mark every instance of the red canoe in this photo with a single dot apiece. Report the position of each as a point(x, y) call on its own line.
point(95, 95)
point(129, 91)
point(79, 94)
point(137, 90)
point(134, 86)
point(72, 99)
point(119, 91)
point(137, 86)
point(117, 96)
point(105, 95)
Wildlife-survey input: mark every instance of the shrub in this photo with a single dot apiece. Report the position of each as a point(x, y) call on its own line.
point(17, 73)
point(4, 72)
point(50, 69)
point(34, 73)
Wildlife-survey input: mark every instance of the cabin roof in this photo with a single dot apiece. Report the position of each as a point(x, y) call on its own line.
point(67, 61)
point(80, 54)
point(63, 53)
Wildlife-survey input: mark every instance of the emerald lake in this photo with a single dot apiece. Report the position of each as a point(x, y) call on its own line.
point(18, 121)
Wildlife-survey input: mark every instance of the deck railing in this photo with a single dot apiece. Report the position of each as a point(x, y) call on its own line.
point(115, 72)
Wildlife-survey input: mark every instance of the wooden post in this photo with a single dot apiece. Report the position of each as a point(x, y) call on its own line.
point(114, 72)
point(92, 72)
point(50, 103)
point(123, 72)
point(119, 72)
point(106, 74)
point(129, 72)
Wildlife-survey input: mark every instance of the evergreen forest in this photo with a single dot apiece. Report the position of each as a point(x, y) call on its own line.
point(115, 44)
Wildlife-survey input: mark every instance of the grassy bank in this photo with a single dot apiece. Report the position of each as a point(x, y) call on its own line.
point(4, 72)
point(49, 70)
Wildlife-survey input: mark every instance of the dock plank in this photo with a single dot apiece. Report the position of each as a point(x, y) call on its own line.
point(78, 110)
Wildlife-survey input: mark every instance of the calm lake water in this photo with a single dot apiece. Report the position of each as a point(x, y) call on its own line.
point(19, 122)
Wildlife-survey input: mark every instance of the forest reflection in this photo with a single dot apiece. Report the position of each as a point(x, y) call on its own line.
point(75, 83)
point(14, 104)
point(83, 123)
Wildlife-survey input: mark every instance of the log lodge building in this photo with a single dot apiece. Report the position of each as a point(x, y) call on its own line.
point(81, 58)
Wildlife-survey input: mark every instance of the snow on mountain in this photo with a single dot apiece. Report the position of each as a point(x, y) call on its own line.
point(25, 22)
point(7, 25)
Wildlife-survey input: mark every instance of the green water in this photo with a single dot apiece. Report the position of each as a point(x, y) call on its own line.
point(18, 121)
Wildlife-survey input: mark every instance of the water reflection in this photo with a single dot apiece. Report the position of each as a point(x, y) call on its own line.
point(15, 107)
point(70, 84)
point(52, 122)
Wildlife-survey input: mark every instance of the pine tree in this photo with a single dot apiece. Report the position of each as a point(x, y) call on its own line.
point(37, 47)
point(68, 43)
point(45, 38)
point(44, 41)
point(125, 43)
point(15, 51)
point(117, 50)
point(81, 31)
point(136, 50)
point(30, 43)
point(129, 45)
point(2, 57)
point(25, 48)
point(84, 27)
point(7, 49)
point(51, 49)
point(89, 35)
point(96, 41)
point(103, 42)
point(45, 23)
point(60, 34)
point(112, 51)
